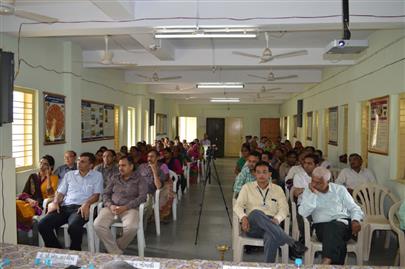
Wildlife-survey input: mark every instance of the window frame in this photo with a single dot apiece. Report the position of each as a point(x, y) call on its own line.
point(33, 131)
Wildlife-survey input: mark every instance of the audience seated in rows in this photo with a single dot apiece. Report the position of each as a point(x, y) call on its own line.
point(335, 215)
point(39, 186)
point(262, 206)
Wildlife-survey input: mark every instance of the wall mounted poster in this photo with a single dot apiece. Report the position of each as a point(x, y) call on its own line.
point(97, 121)
point(379, 125)
point(54, 118)
point(309, 125)
point(161, 124)
point(333, 126)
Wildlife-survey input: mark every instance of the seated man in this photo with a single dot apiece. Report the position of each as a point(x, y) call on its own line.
point(262, 206)
point(295, 170)
point(78, 190)
point(302, 179)
point(247, 173)
point(355, 175)
point(286, 166)
point(107, 168)
point(335, 215)
point(70, 165)
point(122, 197)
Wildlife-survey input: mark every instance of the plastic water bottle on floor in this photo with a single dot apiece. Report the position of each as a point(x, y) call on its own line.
point(298, 263)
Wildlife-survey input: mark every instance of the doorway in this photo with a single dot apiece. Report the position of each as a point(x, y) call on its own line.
point(270, 127)
point(233, 136)
point(216, 133)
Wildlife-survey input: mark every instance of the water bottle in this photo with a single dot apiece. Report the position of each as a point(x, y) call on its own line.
point(298, 262)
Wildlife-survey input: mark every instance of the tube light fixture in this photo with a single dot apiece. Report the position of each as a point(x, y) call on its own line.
point(220, 85)
point(204, 35)
point(225, 100)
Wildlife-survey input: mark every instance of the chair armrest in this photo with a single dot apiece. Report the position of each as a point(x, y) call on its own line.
point(176, 179)
point(141, 211)
point(235, 225)
point(307, 232)
point(45, 203)
point(287, 222)
point(93, 207)
point(157, 198)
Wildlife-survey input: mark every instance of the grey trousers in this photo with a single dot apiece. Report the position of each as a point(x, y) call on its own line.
point(273, 235)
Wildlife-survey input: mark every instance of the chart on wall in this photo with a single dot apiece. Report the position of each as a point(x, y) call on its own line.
point(333, 126)
point(379, 125)
point(97, 121)
point(54, 113)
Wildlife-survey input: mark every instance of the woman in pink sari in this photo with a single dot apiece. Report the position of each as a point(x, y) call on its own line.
point(194, 154)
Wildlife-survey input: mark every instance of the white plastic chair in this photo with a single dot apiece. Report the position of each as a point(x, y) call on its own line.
point(156, 210)
point(38, 218)
point(187, 174)
point(335, 173)
point(394, 222)
point(313, 245)
point(239, 240)
point(295, 232)
point(372, 198)
point(139, 233)
point(89, 226)
point(176, 194)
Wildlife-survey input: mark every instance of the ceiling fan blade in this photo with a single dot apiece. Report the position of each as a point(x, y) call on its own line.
point(170, 78)
point(255, 76)
point(143, 76)
point(272, 89)
point(246, 54)
point(285, 77)
point(291, 54)
point(262, 61)
point(124, 64)
point(34, 16)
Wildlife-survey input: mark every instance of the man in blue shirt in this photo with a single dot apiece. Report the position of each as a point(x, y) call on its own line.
point(335, 215)
point(71, 204)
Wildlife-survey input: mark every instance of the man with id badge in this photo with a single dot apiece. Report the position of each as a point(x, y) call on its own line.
point(335, 215)
point(262, 206)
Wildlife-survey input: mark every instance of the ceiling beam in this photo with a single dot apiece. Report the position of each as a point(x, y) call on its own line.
point(116, 9)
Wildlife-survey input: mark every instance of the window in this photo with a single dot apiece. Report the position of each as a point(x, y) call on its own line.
point(117, 127)
point(23, 128)
point(131, 127)
point(401, 138)
point(188, 128)
point(146, 134)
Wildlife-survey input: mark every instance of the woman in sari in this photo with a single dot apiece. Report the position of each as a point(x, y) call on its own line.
point(38, 187)
point(194, 154)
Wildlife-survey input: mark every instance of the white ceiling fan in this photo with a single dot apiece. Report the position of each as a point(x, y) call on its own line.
point(264, 90)
point(107, 58)
point(7, 7)
point(267, 54)
point(272, 77)
point(155, 77)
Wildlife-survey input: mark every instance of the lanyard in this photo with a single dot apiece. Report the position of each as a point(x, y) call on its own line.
point(263, 196)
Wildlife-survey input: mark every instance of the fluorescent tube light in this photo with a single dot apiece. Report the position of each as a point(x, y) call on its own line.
point(220, 85)
point(204, 35)
point(225, 100)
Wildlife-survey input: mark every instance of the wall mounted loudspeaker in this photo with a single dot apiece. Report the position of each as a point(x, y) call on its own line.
point(6, 86)
point(300, 108)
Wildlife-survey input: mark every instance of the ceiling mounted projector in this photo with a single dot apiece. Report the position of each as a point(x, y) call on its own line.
point(344, 46)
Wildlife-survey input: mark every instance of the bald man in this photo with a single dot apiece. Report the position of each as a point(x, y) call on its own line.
point(335, 215)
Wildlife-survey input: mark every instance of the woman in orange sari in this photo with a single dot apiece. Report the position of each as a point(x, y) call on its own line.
point(38, 187)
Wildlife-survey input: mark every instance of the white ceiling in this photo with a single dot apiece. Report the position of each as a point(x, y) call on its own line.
point(130, 25)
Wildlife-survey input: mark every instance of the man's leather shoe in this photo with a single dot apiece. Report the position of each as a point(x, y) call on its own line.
point(297, 249)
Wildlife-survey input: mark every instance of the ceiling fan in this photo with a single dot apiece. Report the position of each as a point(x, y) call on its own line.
point(155, 77)
point(107, 58)
point(272, 77)
point(267, 54)
point(264, 90)
point(7, 7)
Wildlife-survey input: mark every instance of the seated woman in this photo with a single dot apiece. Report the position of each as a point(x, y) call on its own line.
point(38, 187)
point(195, 154)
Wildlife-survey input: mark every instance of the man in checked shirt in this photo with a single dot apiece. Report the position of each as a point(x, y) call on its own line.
point(122, 197)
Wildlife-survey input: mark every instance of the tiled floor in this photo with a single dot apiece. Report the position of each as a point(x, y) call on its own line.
point(177, 238)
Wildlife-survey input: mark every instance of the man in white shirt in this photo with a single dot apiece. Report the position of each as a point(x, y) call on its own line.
point(262, 206)
point(295, 170)
point(302, 179)
point(78, 190)
point(355, 175)
point(335, 215)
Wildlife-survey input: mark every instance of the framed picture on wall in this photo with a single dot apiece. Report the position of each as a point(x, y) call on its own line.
point(54, 118)
point(378, 129)
point(295, 126)
point(309, 125)
point(161, 124)
point(97, 121)
point(333, 126)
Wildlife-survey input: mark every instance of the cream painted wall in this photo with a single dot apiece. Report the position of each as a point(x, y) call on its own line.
point(250, 115)
point(380, 71)
point(61, 55)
